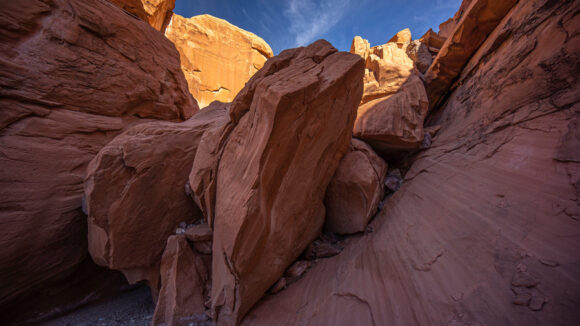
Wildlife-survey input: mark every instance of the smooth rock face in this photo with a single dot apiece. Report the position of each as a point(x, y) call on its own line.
point(396, 121)
point(478, 21)
point(489, 197)
point(217, 57)
point(356, 189)
point(74, 74)
point(270, 187)
point(135, 197)
point(156, 12)
point(183, 279)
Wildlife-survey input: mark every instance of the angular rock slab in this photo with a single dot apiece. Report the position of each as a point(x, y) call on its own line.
point(480, 18)
point(74, 75)
point(156, 12)
point(217, 57)
point(183, 283)
point(490, 200)
point(356, 189)
point(135, 194)
point(291, 126)
point(394, 122)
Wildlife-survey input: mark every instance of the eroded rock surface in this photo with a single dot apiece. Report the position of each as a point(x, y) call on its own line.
point(270, 187)
point(217, 57)
point(156, 12)
point(394, 105)
point(394, 122)
point(354, 193)
point(135, 194)
point(489, 197)
point(74, 74)
point(479, 19)
point(183, 285)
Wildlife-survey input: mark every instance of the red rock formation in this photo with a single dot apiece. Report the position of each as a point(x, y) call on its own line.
point(446, 28)
point(394, 122)
point(156, 12)
point(183, 279)
point(270, 187)
point(402, 37)
point(432, 39)
point(356, 189)
point(478, 21)
point(73, 75)
point(394, 105)
point(135, 193)
point(488, 215)
point(217, 57)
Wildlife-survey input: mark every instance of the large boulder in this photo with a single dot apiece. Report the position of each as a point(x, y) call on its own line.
point(394, 104)
point(73, 75)
point(217, 57)
point(479, 19)
point(356, 189)
point(269, 186)
point(156, 12)
point(184, 275)
point(394, 122)
point(487, 216)
point(135, 193)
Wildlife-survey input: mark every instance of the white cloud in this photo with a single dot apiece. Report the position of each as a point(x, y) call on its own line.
point(309, 19)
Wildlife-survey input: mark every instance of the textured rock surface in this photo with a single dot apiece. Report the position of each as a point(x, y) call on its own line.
point(478, 21)
point(183, 279)
point(394, 103)
point(217, 57)
point(432, 39)
point(419, 53)
point(402, 37)
point(447, 28)
point(156, 12)
point(387, 68)
point(270, 187)
point(361, 47)
point(135, 194)
point(356, 188)
point(73, 75)
point(488, 200)
point(395, 121)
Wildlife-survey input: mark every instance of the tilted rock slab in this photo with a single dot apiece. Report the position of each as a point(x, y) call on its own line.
point(217, 57)
point(291, 125)
point(183, 281)
point(495, 200)
point(156, 12)
point(355, 190)
point(480, 18)
point(135, 193)
point(396, 121)
point(74, 75)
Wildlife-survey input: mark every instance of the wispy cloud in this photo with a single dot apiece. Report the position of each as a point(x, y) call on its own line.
point(310, 19)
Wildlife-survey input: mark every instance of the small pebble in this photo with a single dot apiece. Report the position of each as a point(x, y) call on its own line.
point(537, 302)
point(522, 299)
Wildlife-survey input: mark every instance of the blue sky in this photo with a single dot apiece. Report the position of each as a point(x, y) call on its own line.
point(292, 23)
